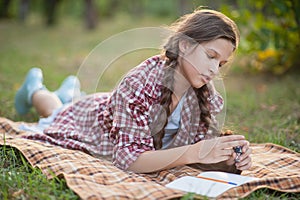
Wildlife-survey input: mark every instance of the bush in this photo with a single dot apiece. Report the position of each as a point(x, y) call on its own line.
point(270, 33)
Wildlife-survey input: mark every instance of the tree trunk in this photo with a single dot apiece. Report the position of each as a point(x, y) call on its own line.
point(23, 10)
point(4, 8)
point(90, 14)
point(50, 11)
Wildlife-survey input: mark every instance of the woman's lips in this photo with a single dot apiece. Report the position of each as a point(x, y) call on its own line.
point(206, 78)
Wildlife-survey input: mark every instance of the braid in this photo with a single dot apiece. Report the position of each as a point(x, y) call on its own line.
point(202, 95)
point(166, 100)
point(205, 115)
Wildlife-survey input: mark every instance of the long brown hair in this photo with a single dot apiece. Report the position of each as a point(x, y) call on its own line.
point(200, 26)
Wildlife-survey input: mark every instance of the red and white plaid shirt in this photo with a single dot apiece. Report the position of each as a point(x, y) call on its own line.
point(120, 124)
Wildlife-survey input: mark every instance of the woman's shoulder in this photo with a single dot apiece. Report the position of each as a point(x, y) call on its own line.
point(151, 68)
point(156, 62)
point(145, 78)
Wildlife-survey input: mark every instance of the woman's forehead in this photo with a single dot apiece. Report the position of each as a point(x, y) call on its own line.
point(220, 46)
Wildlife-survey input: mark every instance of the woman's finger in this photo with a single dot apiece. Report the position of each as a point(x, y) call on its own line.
point(227, 152)
point(232, 144)
point(245, 167)
point(246, 146)
point(246, 154)
point(243, 163)
point(232, 138)
point(231, 159)
point(223, 158)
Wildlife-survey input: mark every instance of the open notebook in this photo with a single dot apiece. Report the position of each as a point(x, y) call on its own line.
point(210, 184)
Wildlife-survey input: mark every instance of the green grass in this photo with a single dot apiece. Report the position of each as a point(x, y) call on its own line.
point(19, 180)
point(264, 108)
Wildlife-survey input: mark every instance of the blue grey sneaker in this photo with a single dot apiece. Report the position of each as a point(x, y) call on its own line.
point(32, 83)
point(69, 89)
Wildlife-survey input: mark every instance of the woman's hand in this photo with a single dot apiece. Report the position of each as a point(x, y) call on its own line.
point(220, 149)
point(244, 160)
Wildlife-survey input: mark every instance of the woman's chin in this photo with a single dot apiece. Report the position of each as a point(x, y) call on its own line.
point(198, 85)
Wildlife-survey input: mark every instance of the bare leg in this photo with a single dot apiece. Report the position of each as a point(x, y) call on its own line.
point(45, 102)
point(34, 93)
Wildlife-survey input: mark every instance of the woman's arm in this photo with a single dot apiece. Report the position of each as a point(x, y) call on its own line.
point(206, 151)
point(151, 161)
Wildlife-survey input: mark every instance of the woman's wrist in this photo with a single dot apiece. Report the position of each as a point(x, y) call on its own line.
point(192, 154)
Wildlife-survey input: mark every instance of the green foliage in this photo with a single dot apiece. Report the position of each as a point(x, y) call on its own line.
point(270, 32)
point(270, 29)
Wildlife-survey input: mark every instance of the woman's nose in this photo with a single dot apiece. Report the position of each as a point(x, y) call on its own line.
point(214, 69)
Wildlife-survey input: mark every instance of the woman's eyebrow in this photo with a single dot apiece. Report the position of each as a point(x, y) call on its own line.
point(217, 54)
point(213, 51)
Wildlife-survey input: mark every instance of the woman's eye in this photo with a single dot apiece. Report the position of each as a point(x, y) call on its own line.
point(210, 56)
point(222, 64)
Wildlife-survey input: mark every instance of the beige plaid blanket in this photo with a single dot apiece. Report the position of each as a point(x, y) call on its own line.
point(96, 178)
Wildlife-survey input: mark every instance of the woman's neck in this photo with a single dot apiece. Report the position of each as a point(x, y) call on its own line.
point(181, 85)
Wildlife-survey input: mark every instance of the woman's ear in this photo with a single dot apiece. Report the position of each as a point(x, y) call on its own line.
point(184, 45)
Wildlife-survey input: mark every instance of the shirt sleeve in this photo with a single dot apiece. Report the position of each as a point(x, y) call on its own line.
point(130, 130)
point(128, 148)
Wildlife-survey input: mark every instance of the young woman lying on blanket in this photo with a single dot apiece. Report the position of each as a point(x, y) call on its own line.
point(160, 115)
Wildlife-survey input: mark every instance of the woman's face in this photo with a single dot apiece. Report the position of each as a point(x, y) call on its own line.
point(199, 64)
